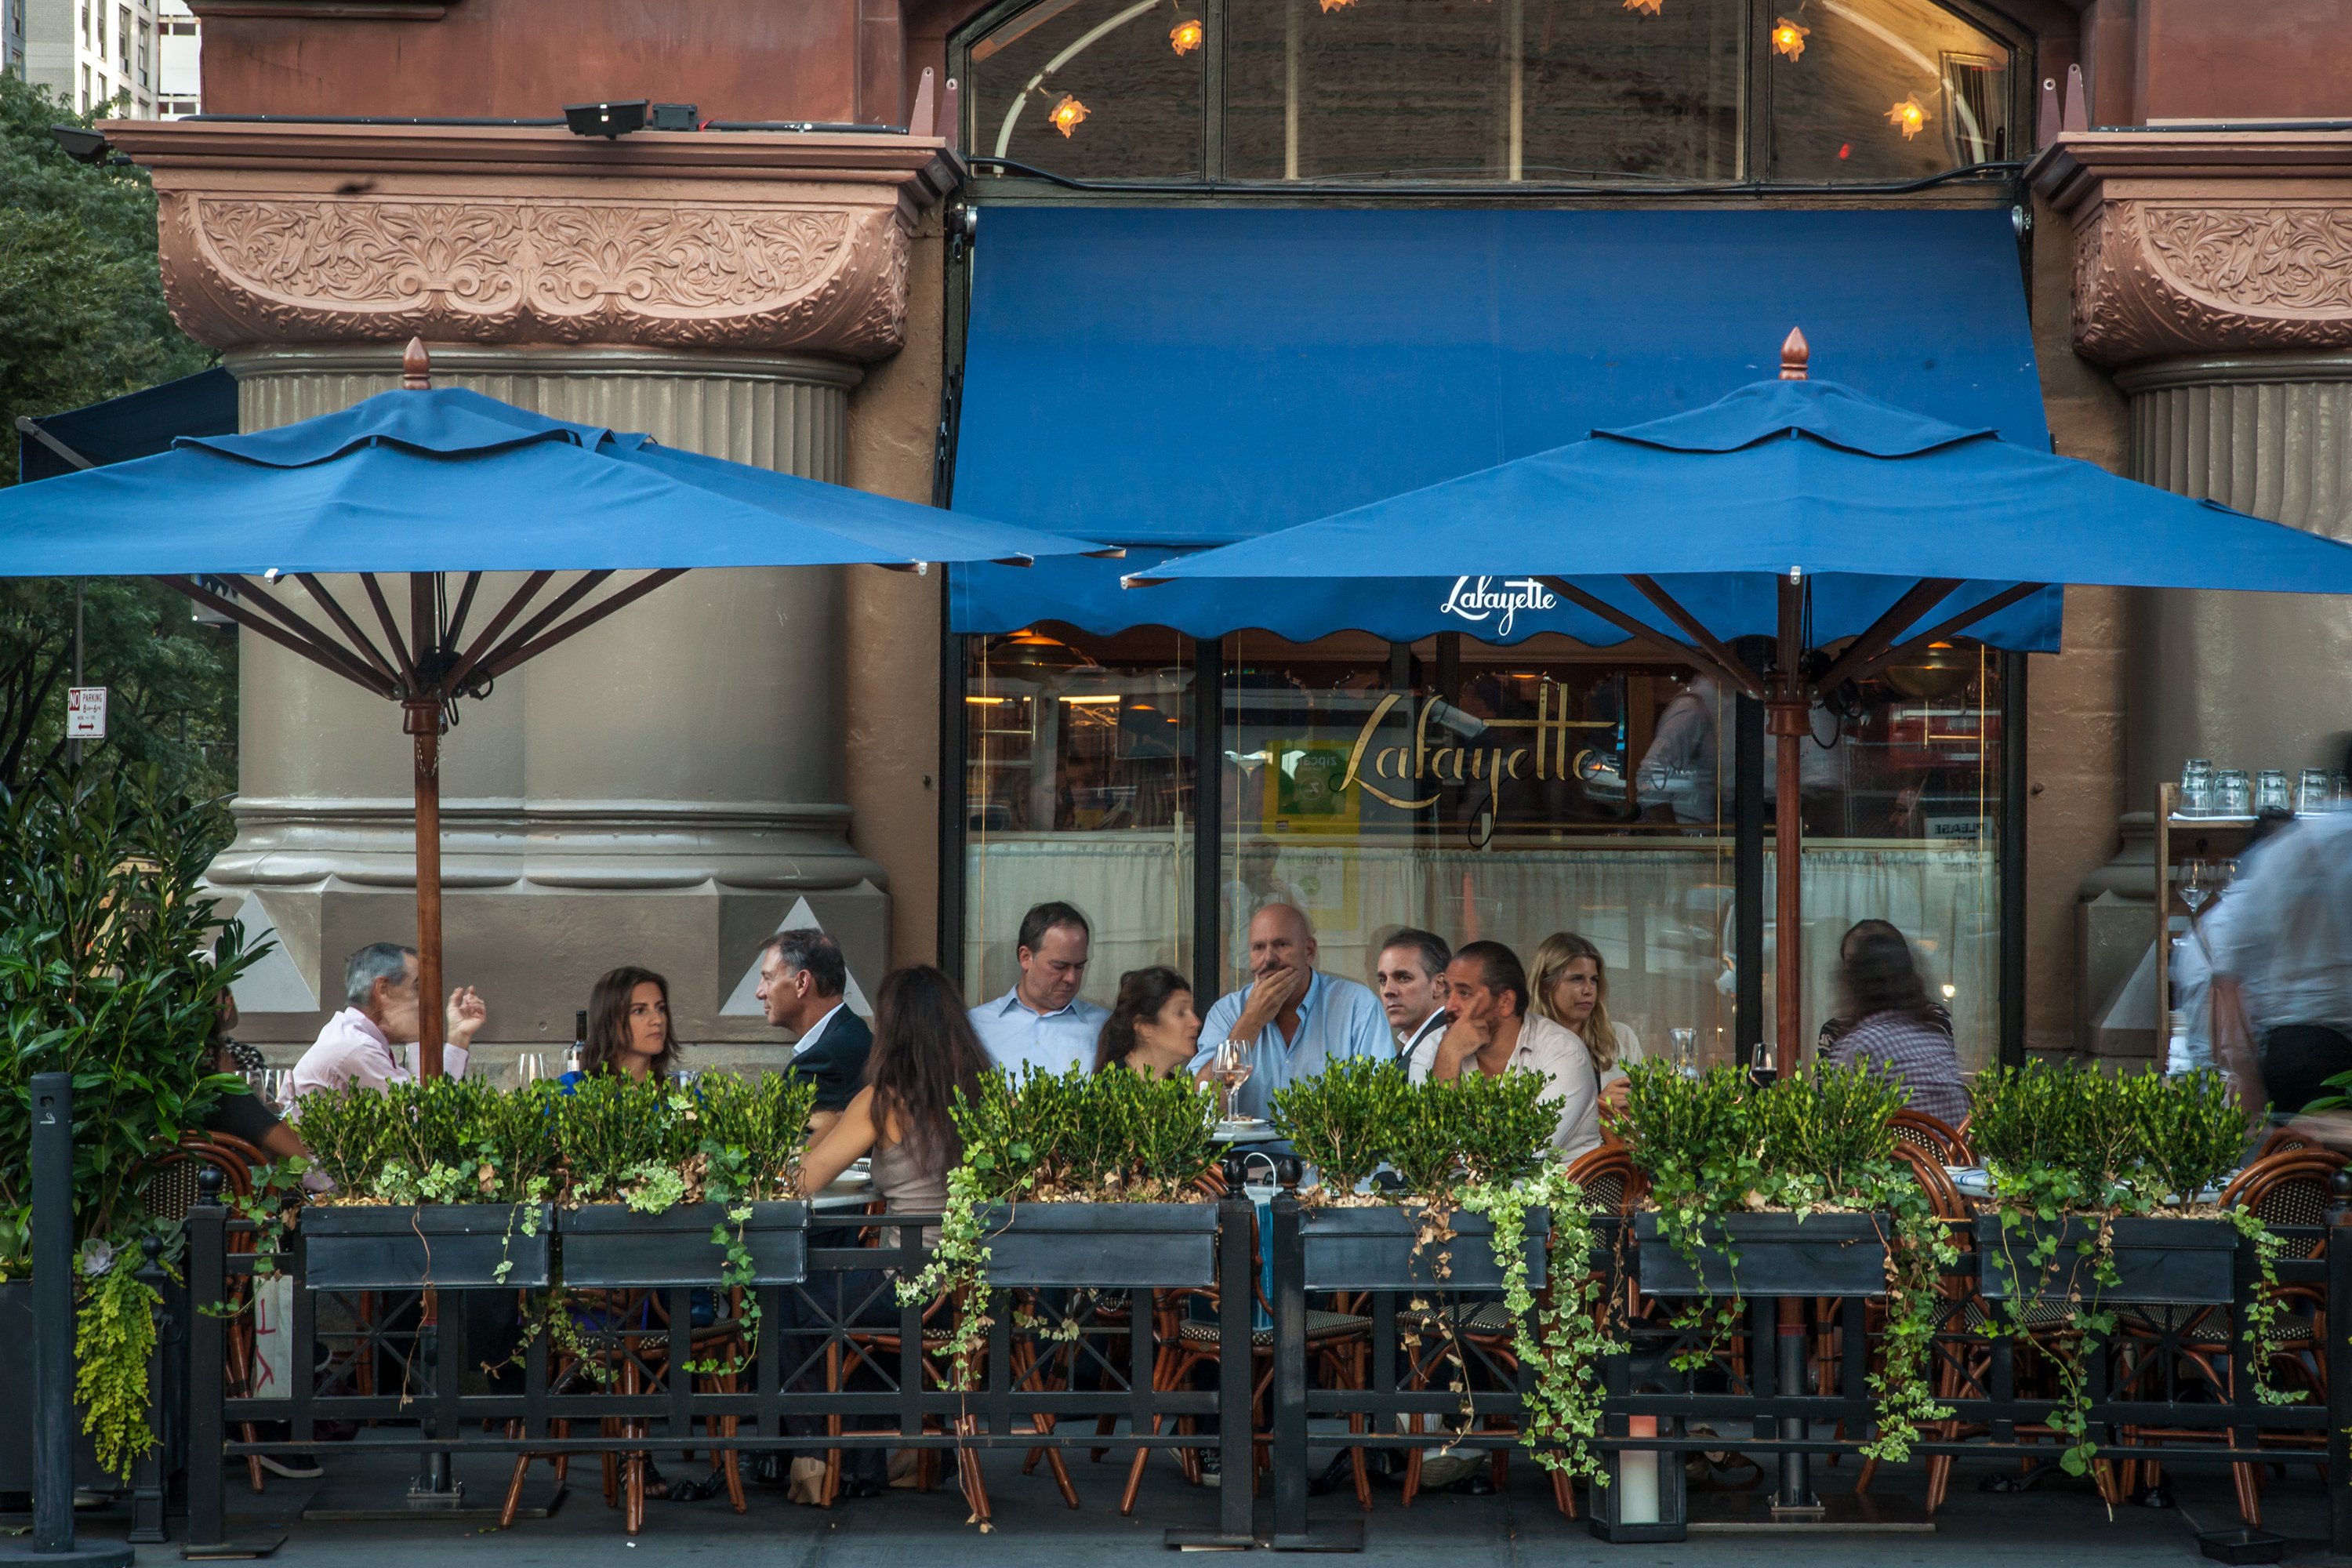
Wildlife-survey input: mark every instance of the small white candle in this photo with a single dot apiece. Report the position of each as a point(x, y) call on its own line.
point(1637, 1472)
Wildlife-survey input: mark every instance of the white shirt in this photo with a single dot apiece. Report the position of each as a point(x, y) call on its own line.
point(352, 1050)
point(1555, 1051)
point(1431, 1028)
point(1337, 1019)
point(817, 1028)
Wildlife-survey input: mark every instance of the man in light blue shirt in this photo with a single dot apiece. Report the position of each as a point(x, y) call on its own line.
point(1292, 1020)
point(1043, 1020)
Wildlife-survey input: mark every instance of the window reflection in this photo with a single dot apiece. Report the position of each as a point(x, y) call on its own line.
point(1478, 91)
point(1887, 90)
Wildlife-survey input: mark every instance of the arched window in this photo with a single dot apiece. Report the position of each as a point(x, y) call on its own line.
point(1550, 93)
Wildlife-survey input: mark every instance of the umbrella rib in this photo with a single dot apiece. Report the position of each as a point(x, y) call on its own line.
point(584, 620)
point(1965, 618)
point(349, 668)
point(261, 598)
point(390, 632)
point(465, 603)
point(343, 618)
point(1697, 633)
point(1649, 636)
point(1923, 595)
point(500, 658)
point(489, 637)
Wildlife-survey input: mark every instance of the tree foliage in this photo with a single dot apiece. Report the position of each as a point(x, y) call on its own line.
point(82, 318)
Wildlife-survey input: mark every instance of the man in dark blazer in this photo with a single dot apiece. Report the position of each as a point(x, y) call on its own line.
point(801, 978)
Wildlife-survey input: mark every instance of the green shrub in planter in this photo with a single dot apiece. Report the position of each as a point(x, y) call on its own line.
point(1343, 1120)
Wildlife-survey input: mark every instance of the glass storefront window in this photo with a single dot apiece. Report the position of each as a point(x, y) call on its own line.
point(1484, 792)
point(1511, 793)
point(1480, 91)
point(1888, 89)
point(1078, 787)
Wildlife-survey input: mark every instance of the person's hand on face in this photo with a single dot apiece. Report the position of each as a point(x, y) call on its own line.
point(1052, 971)
point(1282, 957)
point(1618, 1095)
point(465, 1016)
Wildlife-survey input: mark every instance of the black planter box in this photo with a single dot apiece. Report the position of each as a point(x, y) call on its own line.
point(612, 1245)
point(16, 1395)
point(1375, 1249)
point(2187, 1261)
point(1779, 1255)
point(1146, 1244)
point(453, 1245)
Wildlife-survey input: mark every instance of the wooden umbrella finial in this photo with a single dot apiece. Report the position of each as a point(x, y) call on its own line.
point(416, 369)
point(1794, 353)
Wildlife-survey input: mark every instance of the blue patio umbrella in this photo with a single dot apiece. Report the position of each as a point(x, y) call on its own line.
point(432, 482)
point(1781, 488)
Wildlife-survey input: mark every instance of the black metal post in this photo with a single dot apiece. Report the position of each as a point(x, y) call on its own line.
point(53, 1335)
point(52, 1313)
point(2339, 1389)
point(207, 1247)
point(1289, 1375)
point(147, 1472)
point(73, 748)
point(1795, 1493)
point(2014, 794)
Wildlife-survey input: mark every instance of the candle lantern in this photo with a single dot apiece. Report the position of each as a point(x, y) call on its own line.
point(1645, 1500)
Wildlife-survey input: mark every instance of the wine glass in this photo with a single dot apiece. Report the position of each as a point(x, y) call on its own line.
point(2198, 884)
point(1233, 1070)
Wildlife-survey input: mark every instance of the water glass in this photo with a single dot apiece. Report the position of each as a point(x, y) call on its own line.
point(1686, 1051)
point(2339, 792)
point(530, 1067)
point(2197, 787)
point(2233, 795)
point(2269, 792)
point(2312, 794)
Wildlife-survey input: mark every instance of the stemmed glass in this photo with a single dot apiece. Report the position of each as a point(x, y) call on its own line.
point(530, 1067)
point(1233, 1070)
point(2199, 883)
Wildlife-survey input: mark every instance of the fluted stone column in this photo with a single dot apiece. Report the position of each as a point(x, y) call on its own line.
point(2249, 680)
point(667, 787)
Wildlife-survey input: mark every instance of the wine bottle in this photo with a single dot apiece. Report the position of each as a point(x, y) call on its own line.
point(577, 1060)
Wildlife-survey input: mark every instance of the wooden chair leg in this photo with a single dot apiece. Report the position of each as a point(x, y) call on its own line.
point(729, 1460)
point(514, 1486)
point(1869, 1472)
point(832, 1488)
point(1563, 1494)
point(975, 1489)
point(1134, 1473)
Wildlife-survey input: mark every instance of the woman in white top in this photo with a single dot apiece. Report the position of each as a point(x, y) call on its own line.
point(1571, 989)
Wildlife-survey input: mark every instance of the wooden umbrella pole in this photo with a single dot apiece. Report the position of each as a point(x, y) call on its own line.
point(424, 723)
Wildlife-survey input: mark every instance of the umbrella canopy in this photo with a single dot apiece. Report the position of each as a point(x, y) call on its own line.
point(1804, 475)
point(431, 483)
point(1783, 486)
point(449, 480)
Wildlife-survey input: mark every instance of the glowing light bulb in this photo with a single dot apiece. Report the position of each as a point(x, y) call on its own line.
point(1331, 5)
point(1950, 992)
point(1066, 115)
point(1788, 38)
point(1649, 7)
point(1908, 118)
point(1185, 35)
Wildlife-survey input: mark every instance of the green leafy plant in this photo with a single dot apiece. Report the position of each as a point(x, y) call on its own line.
point(1342, 1120)
point(115, 1335)
point(2070, 1143)
point(1718, 1144)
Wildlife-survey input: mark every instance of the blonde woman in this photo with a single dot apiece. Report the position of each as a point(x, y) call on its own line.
point(1571, 989)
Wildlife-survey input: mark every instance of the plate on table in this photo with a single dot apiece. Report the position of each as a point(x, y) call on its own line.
point(1244, 1129)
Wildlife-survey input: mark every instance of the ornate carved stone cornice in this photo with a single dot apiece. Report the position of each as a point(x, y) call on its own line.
point(312, 233)
point(2201, 242)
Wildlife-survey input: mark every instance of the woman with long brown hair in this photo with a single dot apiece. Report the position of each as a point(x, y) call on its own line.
point(924, 1051)
point(628, 1028)
point(1571, 988)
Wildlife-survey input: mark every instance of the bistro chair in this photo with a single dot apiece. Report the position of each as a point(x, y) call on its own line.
point(1959, 1302)
point(1921, 1130)
point(166, 1192)
point(2291, 1187)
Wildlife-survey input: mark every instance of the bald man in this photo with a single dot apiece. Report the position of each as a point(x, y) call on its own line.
point(1292, 1017)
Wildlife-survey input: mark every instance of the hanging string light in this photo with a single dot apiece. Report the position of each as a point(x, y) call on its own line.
point(1067, 113)
point(1908, 117)
point(1648, 6)
point(1331, 5)
point(1185, 35)
point(1790, 38)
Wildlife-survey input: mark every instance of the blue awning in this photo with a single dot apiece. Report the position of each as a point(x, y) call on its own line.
point(1173, 379)
point(138, 425)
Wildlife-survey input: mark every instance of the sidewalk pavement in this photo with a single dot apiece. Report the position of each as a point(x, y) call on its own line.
point(2061, 1524)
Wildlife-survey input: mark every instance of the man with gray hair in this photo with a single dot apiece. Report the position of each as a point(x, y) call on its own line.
point(801, 978)
point(359, 1043)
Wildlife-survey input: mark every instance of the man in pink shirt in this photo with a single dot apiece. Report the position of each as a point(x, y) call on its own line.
point(356, 1045)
